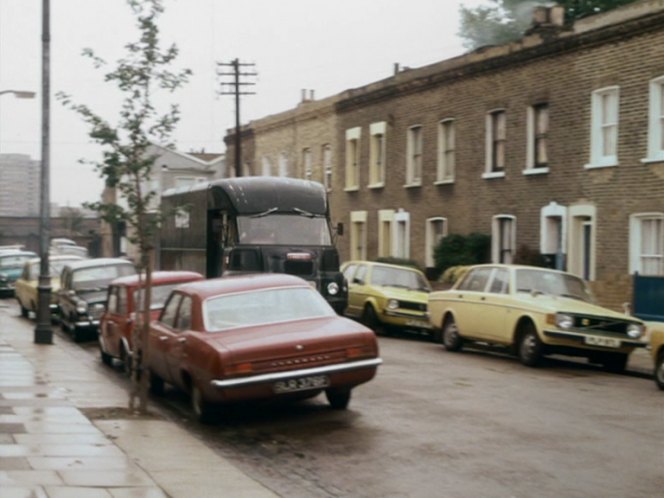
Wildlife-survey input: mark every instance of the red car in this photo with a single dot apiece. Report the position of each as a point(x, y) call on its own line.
point(124, 298)
point(256, 337)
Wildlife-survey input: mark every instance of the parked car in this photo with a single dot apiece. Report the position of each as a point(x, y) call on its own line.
point(67, 246)
point(536, 312)
point(26, 286)
point(260, 336)
point(125, 297)
point(657, 350)
point(83, 292)
point(11, 266)
point(384, 295)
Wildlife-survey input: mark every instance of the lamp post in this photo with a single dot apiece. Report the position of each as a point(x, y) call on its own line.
point(43, 331)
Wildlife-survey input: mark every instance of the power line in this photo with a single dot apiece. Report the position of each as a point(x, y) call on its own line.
point(236, 87)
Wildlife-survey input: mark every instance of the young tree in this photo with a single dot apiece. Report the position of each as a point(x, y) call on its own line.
point(126, 165)
point(502, 21)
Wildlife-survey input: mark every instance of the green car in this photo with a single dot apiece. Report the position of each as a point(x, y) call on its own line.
point(11, 266)
point(385, 296)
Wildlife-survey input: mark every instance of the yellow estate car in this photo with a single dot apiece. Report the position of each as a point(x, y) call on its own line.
point(26, 285)
point(536, 312)
point(383, 295)
point(657, 350)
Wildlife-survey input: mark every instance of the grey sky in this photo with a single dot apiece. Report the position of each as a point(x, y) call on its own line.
point(324, 45)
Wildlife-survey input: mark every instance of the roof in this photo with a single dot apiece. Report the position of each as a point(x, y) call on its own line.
point(242, 283)
point(14, 252)
point(378, 263)
point(92, 263)
point(159, 277)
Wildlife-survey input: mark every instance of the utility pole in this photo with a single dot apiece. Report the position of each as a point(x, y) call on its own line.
point(234, 87)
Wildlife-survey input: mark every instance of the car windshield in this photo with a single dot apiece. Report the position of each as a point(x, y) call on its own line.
point(14, 260)
point(99, 277)
point(552, 283)
point(397, 277)
point(263, 307)
point(284, 229)
point(159, 295)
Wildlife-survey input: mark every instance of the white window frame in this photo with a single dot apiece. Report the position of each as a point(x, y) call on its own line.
point(554, 242)
point(636, 250)
point(377, 154)
point(656, 121)
point(326, 153)
point(358, 235)
point(445, 169)
point(431, 239)
point(491, 170)
point(353, 142)
point(385, 232)
point(401, 234)
point(307, 163)
point(533, 132)
point(497, 238)
point(602, 125)
point(581, 216)
point(414, 153)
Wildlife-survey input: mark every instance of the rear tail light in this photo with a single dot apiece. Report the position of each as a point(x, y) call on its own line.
point(240, 369)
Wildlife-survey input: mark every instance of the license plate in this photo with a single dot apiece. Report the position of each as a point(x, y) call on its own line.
point(607, 342)
point(418, 323)
point(301, 384)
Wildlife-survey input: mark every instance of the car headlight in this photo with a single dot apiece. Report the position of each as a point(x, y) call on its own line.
point(564, 321)
point(635, 330)
point(392, 304)
point(332, 288)
point(82, 307)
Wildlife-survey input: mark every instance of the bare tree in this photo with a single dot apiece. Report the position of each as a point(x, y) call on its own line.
point(126, 165)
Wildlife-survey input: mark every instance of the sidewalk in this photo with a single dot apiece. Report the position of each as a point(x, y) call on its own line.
point(49, 448)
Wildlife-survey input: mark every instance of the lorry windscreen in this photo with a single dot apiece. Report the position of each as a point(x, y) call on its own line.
point(284, 229)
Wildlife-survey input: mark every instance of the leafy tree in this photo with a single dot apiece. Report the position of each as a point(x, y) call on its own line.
point(501, 21)
point(126, 165)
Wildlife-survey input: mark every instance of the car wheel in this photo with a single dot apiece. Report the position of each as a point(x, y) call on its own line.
point(530, 346)
point(106, 358)
point(156, 383)
point(615, 362)
point(450, 337)
point(659, 370)
point(202, 408)
point(338, 398)
point(370, 319)
point(78, 334)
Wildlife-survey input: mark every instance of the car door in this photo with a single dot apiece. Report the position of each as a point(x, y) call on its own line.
point(177, 349)
point(162, 337)
point(492, 320)
point(468, 305)
point(114, 319)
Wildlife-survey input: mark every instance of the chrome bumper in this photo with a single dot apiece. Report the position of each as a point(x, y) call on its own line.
point(579, 337)
point(304, 372)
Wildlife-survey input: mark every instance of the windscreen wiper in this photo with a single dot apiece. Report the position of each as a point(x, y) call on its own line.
point(304, 213)
point(264, 213)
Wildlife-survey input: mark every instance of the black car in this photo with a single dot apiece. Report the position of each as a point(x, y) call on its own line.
point(83, 293)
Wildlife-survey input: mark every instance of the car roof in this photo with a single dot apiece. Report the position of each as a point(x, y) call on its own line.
point(95, 262)
point(59, 257)
point(16, 252)
point(242, 283)
point(386, 265)
point(159, 277)
point(517, 267)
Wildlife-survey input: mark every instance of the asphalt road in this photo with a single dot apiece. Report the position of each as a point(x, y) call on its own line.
point(440, 424)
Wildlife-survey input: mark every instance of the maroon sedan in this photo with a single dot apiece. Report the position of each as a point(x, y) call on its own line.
point(257, 337)
point(124, 298)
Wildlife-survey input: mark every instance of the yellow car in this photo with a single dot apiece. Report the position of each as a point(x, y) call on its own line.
point(383, 295)
point(657, 351)
point(26, 285)
point(536, 312)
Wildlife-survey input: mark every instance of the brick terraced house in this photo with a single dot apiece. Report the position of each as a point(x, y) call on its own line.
point(551, 144)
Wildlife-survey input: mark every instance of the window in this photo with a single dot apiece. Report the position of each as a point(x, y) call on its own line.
point(385, 222)
point(537, 156)
point(475, 280)
point(446, 151)
point(553, 234)
point(646, 243)
point(283, 164)
point(184, 315)
point(266, 166)
point(503, 240)
point(496, 135)
point(377, 155)
point(401, 248)
point(656, 121)
point(436, 229)
point(353, 158)
point(604, 128)
point(327, 166)
point(500, 284)
point(581, 241)
point(307, 164)
point(414, 157)
point(358, 235)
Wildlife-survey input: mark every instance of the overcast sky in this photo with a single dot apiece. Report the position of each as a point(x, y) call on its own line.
point(324, 45)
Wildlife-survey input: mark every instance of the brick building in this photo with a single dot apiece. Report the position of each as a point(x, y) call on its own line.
point(551, 144)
